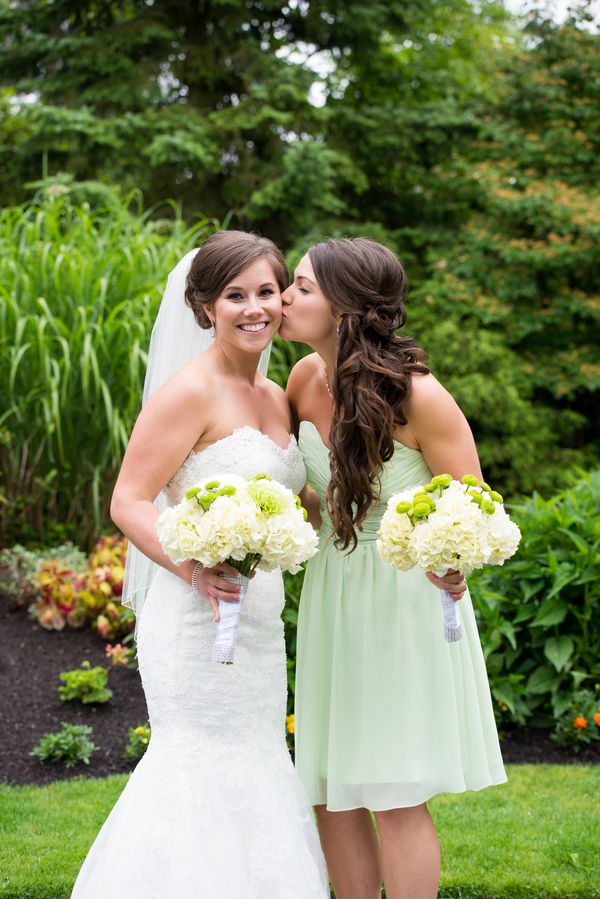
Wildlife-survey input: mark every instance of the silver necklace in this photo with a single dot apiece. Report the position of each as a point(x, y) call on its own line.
point(327, 382)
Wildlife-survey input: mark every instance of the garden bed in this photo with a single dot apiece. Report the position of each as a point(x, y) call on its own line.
point(31, 660)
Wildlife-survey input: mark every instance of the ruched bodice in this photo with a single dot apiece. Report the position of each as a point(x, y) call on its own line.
point(215, 808)
point(407, 468)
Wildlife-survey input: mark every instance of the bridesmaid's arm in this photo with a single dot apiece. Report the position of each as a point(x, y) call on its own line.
point(442, 433)
point(440, 430)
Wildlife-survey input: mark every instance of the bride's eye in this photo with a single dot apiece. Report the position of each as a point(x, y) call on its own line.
point(267, 292)
point(235, 296)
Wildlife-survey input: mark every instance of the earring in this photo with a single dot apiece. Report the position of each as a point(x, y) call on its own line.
point(212, 332)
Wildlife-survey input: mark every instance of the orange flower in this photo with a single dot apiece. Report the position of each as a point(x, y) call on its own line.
point(597, 718)
point(580, 722)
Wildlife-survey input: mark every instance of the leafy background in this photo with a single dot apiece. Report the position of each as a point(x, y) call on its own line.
point(464, 138)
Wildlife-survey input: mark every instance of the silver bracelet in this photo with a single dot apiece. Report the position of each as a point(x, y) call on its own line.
point(197, 569)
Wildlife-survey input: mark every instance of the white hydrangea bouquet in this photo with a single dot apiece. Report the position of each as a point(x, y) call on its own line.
point(447, 524)
point(249, 523)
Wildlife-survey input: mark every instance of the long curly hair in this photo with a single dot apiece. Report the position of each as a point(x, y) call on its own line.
point(367, 287)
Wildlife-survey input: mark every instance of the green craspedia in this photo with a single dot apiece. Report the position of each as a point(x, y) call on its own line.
point(476, 497)
point(192, 492)
point(421, 498)
point(497, 497)
point(229, 490)
point(430, 487)
point(304, 513)
point(485, 487)
point(261, 476)
point(488, 506)
point(206, 500)
point(469, 479)
point(298, 501)
point(445, 479)
point(421, 510)
point(403, 506)
point(212, 485)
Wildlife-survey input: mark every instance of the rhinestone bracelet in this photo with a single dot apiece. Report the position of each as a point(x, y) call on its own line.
point(197, 569)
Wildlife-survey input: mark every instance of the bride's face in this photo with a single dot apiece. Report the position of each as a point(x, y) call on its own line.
point(247, 312)
point(307, 313)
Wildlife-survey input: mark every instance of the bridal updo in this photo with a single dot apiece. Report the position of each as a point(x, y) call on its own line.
point(223, 257)
point(367, 287)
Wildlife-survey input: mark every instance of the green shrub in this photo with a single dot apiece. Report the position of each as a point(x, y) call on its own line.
point(139, 738)
point(86, 684)
point(538, 614)
point(70, 745)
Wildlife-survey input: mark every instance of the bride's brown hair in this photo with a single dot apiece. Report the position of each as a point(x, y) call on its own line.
point(366, 286)
point(224, 256)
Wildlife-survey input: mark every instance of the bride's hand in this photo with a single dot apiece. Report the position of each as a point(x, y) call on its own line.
point(214, 587)
point(452, 582)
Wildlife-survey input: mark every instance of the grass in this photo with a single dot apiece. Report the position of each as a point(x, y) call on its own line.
point(536, 837)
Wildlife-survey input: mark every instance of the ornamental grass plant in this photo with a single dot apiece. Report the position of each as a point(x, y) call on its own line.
point(79, 291)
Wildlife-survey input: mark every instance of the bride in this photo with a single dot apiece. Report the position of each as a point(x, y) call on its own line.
point(214, 808)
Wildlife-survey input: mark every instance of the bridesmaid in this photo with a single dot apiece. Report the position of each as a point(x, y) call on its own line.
point(387, 713)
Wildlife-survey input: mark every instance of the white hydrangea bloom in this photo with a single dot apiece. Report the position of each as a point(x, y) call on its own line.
point(453, 536)
point(503, 536)
point(395, 533)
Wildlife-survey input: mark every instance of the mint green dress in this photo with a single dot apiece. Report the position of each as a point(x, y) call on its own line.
point(388, 713)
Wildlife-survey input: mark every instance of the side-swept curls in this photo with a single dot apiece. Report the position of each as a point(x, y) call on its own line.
point(367, 287)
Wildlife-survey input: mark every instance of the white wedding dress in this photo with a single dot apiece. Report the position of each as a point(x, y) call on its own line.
point(214, 810)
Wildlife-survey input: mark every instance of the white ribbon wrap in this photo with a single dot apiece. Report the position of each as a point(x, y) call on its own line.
point(229, 622)
point(453, 629)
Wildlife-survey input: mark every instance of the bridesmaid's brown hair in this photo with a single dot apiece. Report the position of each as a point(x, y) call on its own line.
point(367, 287)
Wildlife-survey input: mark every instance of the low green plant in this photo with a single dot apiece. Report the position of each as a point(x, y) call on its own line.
point(139, 738)
point(86, 684)
point(580, 723)
point(537, 614)
point(70, 745)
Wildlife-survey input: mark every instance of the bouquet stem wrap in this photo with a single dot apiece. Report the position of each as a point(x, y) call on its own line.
point(453, 629)
point(229, 622)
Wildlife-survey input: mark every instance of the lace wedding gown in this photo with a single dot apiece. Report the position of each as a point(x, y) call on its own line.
point(214, 810)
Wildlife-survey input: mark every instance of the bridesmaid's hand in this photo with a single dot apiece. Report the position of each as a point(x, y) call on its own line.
point(452, 582)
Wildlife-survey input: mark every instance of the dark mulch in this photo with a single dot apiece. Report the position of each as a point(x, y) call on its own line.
point(31, 660)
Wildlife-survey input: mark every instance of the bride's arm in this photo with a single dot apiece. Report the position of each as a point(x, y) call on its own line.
point(167, 428)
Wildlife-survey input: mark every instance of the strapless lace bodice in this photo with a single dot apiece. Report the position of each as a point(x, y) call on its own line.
point(244, 452)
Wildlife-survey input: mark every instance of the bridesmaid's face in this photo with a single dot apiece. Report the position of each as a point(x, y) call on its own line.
point(247, 312)
point(307, 314)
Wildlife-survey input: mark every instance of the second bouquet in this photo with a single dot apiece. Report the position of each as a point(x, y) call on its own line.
point(249, 523)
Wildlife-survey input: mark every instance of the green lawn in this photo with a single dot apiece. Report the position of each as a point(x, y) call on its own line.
point(536, 837)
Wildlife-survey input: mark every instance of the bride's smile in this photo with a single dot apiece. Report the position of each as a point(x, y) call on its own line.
point(247, 313)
